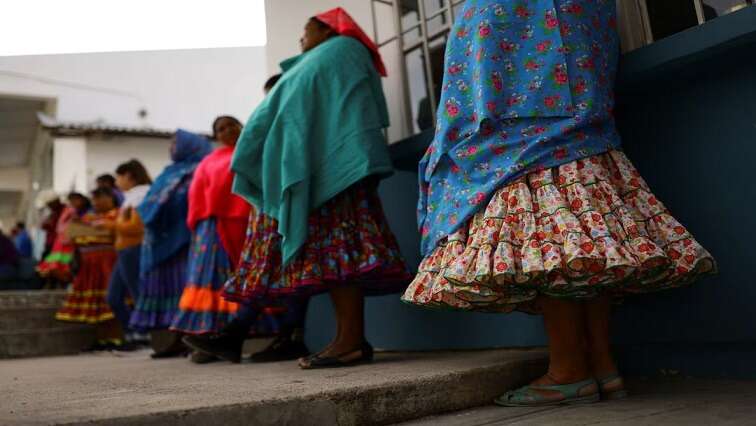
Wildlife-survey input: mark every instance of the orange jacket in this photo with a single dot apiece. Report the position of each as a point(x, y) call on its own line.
point(129, 229)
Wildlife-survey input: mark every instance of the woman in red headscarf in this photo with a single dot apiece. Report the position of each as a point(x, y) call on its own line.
point(309, 160)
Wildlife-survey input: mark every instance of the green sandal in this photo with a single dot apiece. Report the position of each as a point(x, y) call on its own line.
point(528, 396)
point(614, 394)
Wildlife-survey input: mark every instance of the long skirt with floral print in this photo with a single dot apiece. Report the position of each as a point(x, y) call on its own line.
point(348, 243)
point(577, 231)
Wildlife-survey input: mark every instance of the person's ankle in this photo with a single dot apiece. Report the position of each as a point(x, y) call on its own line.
point(603, 367)
point(568, 375)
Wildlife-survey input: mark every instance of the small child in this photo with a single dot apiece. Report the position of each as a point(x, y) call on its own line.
point(85, 302)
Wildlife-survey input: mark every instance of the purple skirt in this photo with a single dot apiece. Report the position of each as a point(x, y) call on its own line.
point(159, 294)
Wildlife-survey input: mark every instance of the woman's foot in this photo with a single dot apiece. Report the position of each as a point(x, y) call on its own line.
point(202, 358)
point(175, 349)
point(611, 386)
point(548, 391)
point(283, 348)
point(223, 345)
point(335, 356)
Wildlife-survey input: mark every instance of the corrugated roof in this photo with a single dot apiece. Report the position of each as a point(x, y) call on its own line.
point(70, 129)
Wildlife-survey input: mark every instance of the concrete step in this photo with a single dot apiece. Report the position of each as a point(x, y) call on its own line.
point(28, 318)
point(665, 400)
point(28, 327)
point(64, 339)
point(31, 299)
point(131, 389)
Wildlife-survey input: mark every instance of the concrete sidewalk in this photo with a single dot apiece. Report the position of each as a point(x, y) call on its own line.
point(131, 389)
point(665, 401)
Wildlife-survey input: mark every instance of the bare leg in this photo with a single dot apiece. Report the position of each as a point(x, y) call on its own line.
point(349, 306)
point(565, 326)
point(597, 316)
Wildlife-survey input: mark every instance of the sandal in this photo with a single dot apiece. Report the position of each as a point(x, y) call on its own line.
point(317, 361)
point(617, 393)
point(529, 396)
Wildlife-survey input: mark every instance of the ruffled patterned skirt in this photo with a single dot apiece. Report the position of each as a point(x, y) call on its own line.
point(349, 243)
point(577, 231)
point(85, 301)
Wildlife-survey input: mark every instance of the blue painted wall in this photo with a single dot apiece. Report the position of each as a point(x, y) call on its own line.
point(689, 125)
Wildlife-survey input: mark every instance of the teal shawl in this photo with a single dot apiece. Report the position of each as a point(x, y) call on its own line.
point(317, 132)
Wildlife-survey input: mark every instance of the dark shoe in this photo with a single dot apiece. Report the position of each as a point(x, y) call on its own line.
point(177, 349)
point(222, 345)
point(283, 348)
point(125, 347)
point(202, 358)
point(97, 347)
point(139, 339)
point(344, 360)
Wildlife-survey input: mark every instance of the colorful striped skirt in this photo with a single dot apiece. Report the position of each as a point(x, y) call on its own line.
point(57, 264)
point(349, 243)
point(577, 231)
point(202, 309)
point(85, 301)
point(159, 294)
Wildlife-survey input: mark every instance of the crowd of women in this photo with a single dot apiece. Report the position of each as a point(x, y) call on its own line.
point(526, 203)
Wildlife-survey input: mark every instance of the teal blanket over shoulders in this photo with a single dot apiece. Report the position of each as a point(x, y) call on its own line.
point(318, 131)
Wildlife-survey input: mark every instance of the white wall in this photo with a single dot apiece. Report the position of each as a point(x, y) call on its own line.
point(103, 156)
point(69, 165)
point(184, 88)
point(285, 23)
point(14, 179)
point(77, 161)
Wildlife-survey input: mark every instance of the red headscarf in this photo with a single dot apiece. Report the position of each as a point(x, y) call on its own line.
point(343, 24)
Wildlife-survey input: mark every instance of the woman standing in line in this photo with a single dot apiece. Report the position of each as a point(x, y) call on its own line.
point(527, 201)
point(163, 263)
point(309, 160)
point(217, 219)
point(133, 179)
point(229, 342)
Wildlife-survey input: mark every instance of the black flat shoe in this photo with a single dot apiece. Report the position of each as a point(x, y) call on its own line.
point(281, 349)
point(170, 353)
point(223, 345)
point(202, 358)
point(317, 361)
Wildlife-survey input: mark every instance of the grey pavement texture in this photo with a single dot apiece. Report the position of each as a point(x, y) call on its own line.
point(131, 389)
point(664, 401)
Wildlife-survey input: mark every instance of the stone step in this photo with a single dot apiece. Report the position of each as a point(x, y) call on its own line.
point(64, 339)
point(29, 319)
point(31, 299)
point(132, 389)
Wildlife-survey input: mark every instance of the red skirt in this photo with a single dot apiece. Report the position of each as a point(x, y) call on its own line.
point(86, 299)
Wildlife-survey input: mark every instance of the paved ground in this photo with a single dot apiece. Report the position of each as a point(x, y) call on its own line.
point(667, 402)
point(131, 389)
